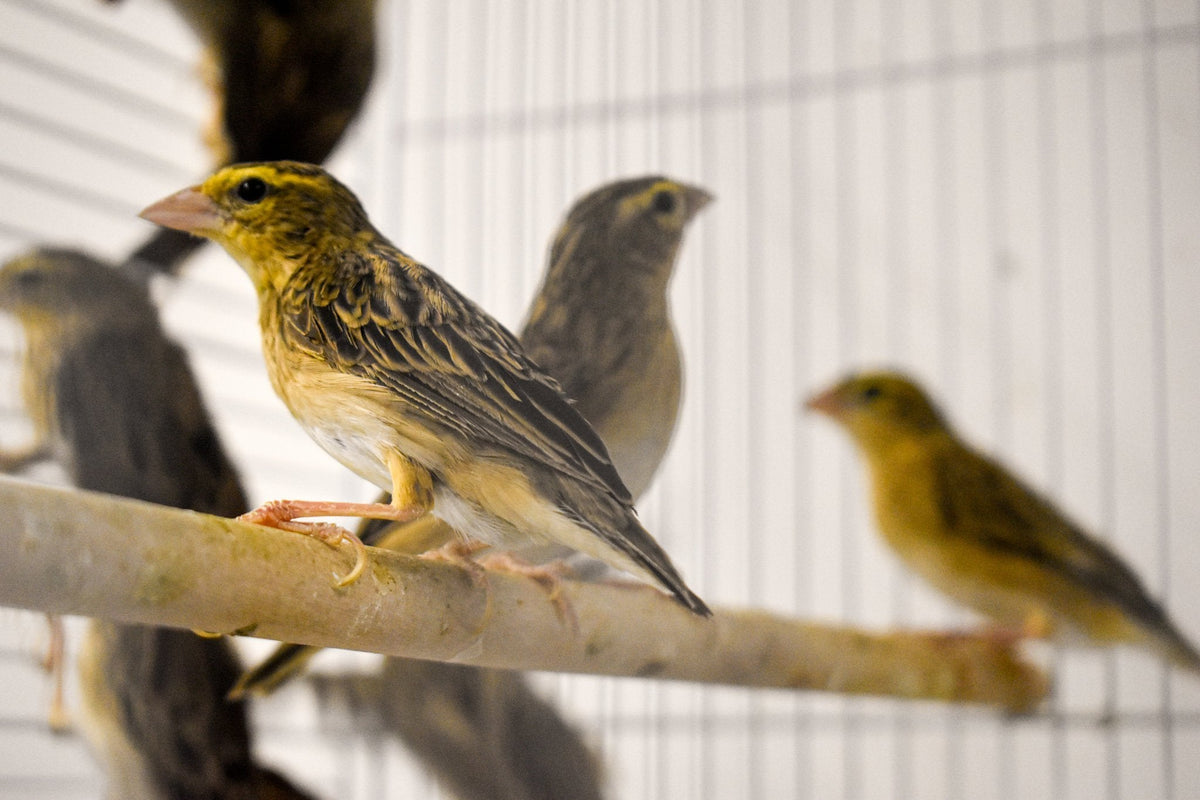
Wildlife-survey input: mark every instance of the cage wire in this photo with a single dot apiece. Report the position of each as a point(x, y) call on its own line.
point(998, 197)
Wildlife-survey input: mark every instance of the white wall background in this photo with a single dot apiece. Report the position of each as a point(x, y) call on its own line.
point(1000, 197)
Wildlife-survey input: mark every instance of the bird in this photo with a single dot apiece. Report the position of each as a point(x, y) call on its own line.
point(600, 324)
point(287, 78)
point(981, 535)
point(407, 382)
point(485, 734)
point(113, 400)
point(601, 320)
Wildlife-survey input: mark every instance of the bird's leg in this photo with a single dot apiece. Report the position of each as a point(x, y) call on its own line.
point(548, 576)
point(459, 552)
point(54, 663)
point(412, 496)
point(412, 485)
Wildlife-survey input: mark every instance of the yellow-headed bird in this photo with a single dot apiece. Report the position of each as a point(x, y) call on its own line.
point(407, 382)
point(979, 534)
point(601, 326)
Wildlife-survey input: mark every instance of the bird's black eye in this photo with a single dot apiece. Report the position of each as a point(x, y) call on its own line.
point(251, 190)
point(872, 391)
point(664, 202)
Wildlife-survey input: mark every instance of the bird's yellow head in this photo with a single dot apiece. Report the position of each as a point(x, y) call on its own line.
point(646, 216)
point(877, 408)
point(56, 287)
point(268, 216)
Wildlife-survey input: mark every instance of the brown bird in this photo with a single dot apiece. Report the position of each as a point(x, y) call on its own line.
point(113, 400)
point(981, 535)
point(601, 326)
point(407, 382)
point(601, 322)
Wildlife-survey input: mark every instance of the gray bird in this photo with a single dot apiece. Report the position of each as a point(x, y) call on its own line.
point(112, 399)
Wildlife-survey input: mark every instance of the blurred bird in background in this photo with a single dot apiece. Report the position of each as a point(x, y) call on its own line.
point(112, 399)
point(600, 325)
point(979, 534)
point(287, 79)
point(483, 733)
point(408, 383)
point(601, 322)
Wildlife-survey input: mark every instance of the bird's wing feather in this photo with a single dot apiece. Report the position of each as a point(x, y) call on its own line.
point(387, 319)
point(979, 499)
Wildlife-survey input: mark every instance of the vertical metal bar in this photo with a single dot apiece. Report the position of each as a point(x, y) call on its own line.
point(1156, 265)
point(1104, 327)
point(846, 235)
point(1052, 378)
point(759, 350)
point(892, 13)
point(800, 245)
point(707, 728)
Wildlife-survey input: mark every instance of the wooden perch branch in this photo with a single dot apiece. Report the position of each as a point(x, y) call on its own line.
point(73, 552)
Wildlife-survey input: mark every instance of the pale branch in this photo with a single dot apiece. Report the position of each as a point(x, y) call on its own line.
point(74, 552)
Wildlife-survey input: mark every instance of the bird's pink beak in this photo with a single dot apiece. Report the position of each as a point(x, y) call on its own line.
point(826, 402)
point(189, 210)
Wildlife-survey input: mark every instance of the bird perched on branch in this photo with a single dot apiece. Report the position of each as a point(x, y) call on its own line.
point(978, 533)
point(287, 79)
point(407, 382)
point(112, 399)
point(601, 326)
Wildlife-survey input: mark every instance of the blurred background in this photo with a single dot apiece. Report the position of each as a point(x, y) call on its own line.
point(1002, 198)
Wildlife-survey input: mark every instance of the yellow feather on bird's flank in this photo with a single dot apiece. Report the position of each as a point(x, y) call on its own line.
point(407, 382)
point(978, 533)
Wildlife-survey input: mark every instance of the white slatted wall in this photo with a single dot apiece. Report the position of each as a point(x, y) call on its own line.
point(1000, 197)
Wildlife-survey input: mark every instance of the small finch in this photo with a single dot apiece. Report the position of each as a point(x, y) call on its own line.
point(978, 533)
point(407, 382)
point(112, 399)
point(601, 326)
point(601, 322)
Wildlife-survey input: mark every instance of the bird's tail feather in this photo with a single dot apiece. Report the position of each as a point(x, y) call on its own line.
point(1176, 649)
point(286, 661)
point(649, 555)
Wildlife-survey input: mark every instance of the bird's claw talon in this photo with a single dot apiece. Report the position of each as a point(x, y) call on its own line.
point(548, 576)
point(360, 560)
point(281, 514)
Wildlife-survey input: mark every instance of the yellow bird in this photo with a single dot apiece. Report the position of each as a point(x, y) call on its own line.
point(601, 326)
point(407, 382)
point(979, 534)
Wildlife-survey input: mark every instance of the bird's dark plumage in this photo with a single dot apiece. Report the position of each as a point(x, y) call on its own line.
point(116, 402)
